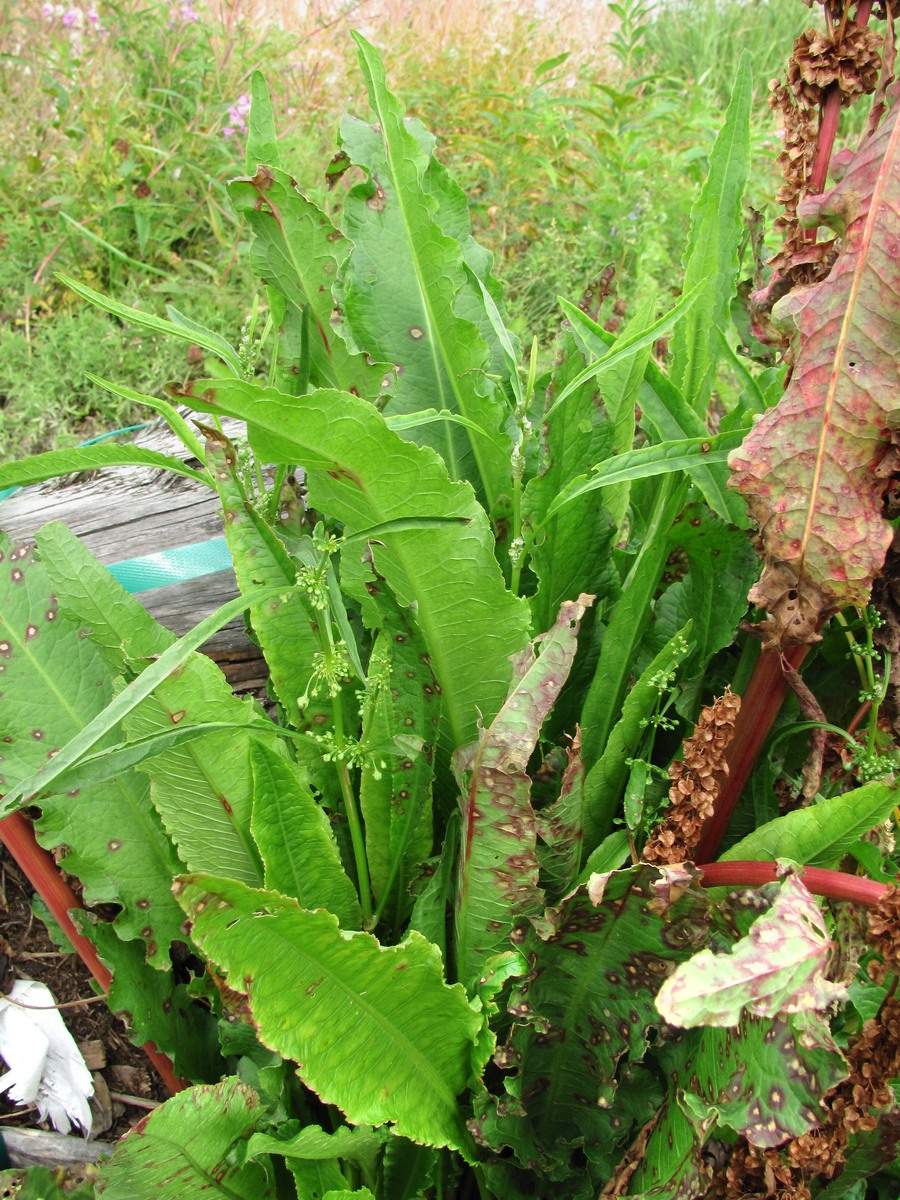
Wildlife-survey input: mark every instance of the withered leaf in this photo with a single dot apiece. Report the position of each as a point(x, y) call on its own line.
point(815, 469)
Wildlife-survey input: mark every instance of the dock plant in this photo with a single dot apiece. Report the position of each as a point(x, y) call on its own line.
point(551, 865)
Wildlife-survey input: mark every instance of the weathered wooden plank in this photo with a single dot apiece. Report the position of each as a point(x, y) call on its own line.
point(127, 512)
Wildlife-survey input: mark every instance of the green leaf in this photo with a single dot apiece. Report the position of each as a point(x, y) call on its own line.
point(344, 1194)
point(400, 288)
point(364, 475)
point(90, 458)
point(822, 835)
point(560, 827)
point(262, 140)
point(722, 565)
point(54, 684)
point(660, 459)
point(171, 415)
point(134, 316)
point(187, 1148)
point(126, 701)
point(671, 419)
point(298, 251)
point(498, 874)
point(605, 782)
point(283, 625)
point(778, 968)
point(585, 1005)
point(711, 261)
point(299, 853)
point(400, 724)
point(573, 553)
point(360, 1145)
point(624, 347)
point(374, 1030)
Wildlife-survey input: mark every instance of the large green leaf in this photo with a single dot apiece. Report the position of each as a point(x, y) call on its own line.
point(400, 287)
point(187, 1147)
point(498, 869)
point(295, 841)
point(595, 965)
point(53, 683)
point(364, 475)
point(298, 251)
point(201, 788)
point(819, 836)
point(711, 261)
point(374, 1030)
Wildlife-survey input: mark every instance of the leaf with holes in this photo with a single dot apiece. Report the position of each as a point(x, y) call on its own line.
point(816, 467)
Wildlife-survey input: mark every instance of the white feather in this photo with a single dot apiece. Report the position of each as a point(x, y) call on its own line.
point(45, 1066)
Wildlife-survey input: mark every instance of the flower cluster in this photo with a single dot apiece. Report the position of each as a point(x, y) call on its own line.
point(237, 116)
point(75, 20)
point(182, 14)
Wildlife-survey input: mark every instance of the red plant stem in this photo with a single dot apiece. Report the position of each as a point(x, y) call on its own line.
point(831, 111)
point(837, 885)
point(43, 874)
point(760, 705)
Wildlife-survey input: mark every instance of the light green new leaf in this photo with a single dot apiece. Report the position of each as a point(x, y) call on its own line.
point(822, 835)
point(400, 288)
point(53, 683)
point(344, 1194)
point(605, 781)
point(498, 868)
point(374, 1030)
point(711, 261)
point(299, 853)
point(778, 968)
point(660, 459)
point(359, 1145)
point(187, 1148)
point(298, 251)
point(364, 475)
point(90, 458)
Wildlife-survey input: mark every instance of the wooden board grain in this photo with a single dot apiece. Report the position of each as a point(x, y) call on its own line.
point(126, 512)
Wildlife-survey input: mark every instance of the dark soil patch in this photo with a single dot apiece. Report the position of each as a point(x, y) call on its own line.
point(125, 1084)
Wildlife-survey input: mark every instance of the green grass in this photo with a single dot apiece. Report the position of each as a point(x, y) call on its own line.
point(580, 141)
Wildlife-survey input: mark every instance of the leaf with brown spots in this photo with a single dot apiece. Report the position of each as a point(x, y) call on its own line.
point(585, 1008)
point(816, 468)
point(498, 868)
point(53, 682)
point(191, 1147)
point(778, 968)
point(763, 1080)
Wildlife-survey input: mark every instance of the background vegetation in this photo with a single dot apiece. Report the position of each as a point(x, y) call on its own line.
point(573, 126)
